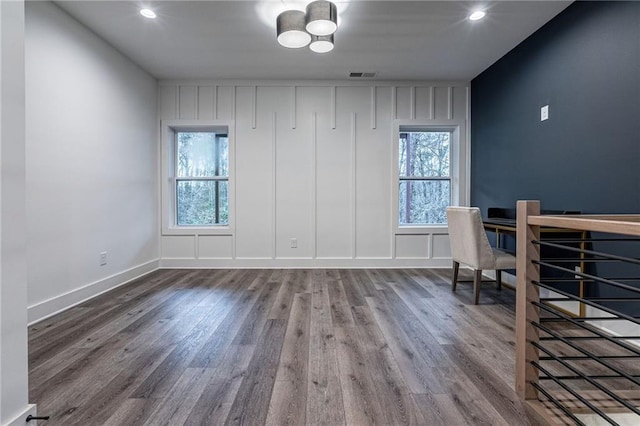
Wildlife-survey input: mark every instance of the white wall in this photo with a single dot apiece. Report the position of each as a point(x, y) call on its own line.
point(314, 161)
point(92, 163)
point(13, 271)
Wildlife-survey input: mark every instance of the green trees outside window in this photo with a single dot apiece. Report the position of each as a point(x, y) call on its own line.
point(425, 177)
point(202, 179)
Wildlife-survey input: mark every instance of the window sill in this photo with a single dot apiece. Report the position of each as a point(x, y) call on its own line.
point(421, 229)
point(188, 230)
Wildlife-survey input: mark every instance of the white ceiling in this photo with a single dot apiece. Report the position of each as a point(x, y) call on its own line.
point(400, 40)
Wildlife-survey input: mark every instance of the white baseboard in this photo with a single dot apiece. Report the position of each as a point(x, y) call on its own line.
point(622, 419)
point(614, 327)
point(47, 308)
point(337, 263)
point(21, 419)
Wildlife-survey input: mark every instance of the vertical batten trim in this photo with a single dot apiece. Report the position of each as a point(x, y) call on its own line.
point(233, 205)
point(196, 251)
point(196, 102)
point(333, 107)
point(294, 106)
point(394, 237)
point(233, 102)
point(432, 103)
point(254, 106)
point(450, 103)
point(374, 107)
point(215, 102)
point(412, 102)
point(273, 185)
point(394, 103)
point(177, 108)
point(467, 112)
point(467, 145)
point(353, 186)
point(314, 184)
point(393, 187)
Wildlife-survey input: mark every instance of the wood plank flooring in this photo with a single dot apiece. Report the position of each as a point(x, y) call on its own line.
point(280, 347)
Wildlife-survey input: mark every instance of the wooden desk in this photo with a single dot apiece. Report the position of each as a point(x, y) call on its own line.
point(508, 227)
point(505, 226)
point(500, 226)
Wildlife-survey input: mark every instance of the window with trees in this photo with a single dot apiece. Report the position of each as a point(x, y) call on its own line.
point(201, 178)
point(424, 176)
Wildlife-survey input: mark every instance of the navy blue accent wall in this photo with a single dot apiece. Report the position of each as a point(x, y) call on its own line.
point(585, 64)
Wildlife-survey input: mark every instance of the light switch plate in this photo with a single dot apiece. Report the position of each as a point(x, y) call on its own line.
point(544, 113)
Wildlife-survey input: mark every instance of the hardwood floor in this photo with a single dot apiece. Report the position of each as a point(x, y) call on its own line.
point(295, 347)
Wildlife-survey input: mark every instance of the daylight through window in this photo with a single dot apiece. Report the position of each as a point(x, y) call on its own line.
point(202, 178)
point(425, 177)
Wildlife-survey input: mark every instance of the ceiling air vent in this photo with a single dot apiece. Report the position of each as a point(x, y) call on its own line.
point(362, 74)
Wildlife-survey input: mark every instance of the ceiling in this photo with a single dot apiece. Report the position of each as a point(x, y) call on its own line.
point(399, 40)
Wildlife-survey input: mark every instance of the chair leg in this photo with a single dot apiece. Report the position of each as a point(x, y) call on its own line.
point(499, 279)
point(477, 280)
point(454, 278)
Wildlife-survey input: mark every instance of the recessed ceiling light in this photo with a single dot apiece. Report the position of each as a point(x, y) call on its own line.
point(148, 13)
point(477, 15)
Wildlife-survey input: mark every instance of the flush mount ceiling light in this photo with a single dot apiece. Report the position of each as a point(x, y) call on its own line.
point(321, 44)
point(290, 27)
point(322, 18)
point(148, 13)
point(296, 29)
point(477, 15)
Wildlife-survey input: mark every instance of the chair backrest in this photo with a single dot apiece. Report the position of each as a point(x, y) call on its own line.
point(469, 243)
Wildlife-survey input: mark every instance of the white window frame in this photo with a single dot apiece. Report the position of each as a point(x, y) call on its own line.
point(168, 179)
point(458, 169)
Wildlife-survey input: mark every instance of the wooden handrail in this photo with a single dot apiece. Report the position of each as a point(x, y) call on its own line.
point(615, 224)
point(529, 223)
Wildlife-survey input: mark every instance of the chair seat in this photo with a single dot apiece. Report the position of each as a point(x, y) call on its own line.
point(469, 245)
point(504, 260)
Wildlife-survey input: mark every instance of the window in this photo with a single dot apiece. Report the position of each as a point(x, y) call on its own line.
point(424, 176)
point(201, 178)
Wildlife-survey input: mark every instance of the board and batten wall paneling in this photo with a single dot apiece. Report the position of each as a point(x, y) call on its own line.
point(215, 246)
point(167, 102)
point(333, 171)
point(226, 103)
point(374, 149)
point(293, 174)
point(255, 208)
point(413, 246)
point(179, 247)
point(440, 247)
point(187, 102)
point(314, 162)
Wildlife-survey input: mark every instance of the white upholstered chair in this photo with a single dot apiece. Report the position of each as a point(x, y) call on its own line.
point(470, 246)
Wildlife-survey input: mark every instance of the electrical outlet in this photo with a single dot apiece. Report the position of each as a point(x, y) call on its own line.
point(294, 243)
point(103, 258)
